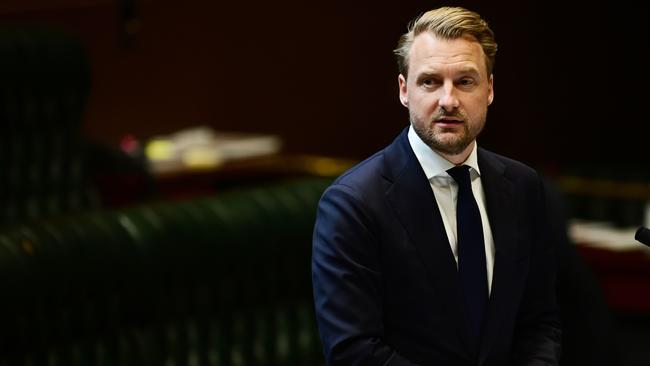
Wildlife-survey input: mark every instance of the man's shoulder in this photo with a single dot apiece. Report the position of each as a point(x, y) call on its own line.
point(512, 168)
point(365, 174)
point(380, 168)
point(361, 186)
point(369, 181)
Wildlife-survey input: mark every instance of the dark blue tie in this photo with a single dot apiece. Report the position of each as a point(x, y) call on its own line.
point(471, 252)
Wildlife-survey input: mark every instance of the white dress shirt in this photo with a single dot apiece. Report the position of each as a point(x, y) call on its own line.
point(445, 191)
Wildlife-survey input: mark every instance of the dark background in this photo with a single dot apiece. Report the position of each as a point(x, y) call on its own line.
point(571, 83)
point(570, 79)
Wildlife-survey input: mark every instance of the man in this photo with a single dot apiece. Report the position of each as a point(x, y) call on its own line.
point(434, 251)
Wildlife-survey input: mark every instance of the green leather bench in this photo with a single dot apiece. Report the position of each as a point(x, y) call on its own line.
point(223, 280)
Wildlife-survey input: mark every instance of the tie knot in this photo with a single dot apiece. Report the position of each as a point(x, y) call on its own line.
point(460, 174)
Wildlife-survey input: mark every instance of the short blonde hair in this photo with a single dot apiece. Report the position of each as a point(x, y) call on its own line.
point(448, 23)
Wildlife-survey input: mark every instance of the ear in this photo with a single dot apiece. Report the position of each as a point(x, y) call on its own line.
point(491, 89)
point(403, 92)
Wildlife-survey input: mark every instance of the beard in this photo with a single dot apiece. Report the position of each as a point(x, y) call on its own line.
point(448, 141)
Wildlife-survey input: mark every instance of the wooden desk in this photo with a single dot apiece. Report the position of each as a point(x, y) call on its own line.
point(190, 182)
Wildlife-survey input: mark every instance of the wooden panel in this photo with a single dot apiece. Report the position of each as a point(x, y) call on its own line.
point(21, 6)
point(323, 77)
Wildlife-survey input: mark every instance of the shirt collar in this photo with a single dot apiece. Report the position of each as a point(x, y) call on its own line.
point(433, 163)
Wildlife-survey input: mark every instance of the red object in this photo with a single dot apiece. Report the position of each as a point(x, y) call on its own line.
point(129, 144)
point(623, 276)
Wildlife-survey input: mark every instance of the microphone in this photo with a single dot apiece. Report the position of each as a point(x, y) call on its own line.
point(643, 236)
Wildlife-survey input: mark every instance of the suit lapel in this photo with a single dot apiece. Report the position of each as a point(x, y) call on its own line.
point(413, 201)
point(499, 197)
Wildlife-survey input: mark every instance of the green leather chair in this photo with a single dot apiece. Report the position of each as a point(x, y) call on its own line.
point(223, 280)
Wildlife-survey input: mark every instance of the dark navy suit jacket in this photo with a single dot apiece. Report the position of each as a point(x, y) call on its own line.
point(386, 284)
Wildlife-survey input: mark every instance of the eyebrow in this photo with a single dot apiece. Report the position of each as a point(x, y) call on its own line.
point(464, 70)
point(469, 70)
point(426, 74)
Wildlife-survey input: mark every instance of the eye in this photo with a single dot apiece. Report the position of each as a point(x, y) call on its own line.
point(466, 82)
point(429, 82)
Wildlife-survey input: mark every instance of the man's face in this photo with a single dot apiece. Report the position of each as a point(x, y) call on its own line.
point(447, 92)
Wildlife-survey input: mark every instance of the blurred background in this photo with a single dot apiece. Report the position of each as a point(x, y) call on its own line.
point(107, 105)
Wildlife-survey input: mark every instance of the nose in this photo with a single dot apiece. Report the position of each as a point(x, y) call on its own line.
point(448, 100)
